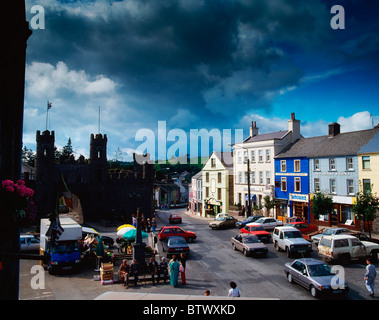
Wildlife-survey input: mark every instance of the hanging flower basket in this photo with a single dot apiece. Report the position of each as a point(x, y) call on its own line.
point(17, 200)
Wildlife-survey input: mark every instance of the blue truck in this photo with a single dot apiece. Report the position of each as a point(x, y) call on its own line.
point(65, 254)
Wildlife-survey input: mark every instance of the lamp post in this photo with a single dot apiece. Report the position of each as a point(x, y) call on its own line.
point(248, 212)
point(139, 246)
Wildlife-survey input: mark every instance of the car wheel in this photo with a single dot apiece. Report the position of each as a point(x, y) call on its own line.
point(374, 256)
point(313, 291)
point(234, 247)
point(189, 240)
point(288, 252)
point(345, 259)
point(276, 246)
point(289, 278)
point(245, 253)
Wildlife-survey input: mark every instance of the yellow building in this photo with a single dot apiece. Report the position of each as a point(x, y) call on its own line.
point(368, 165)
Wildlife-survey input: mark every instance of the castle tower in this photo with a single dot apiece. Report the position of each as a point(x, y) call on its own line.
point(98, 157)
point(44, 162)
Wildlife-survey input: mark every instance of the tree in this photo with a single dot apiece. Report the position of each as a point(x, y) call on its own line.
point(321, 204)
point(28, 156)
point(269, 203)
point(365, 208)
point(67, 150)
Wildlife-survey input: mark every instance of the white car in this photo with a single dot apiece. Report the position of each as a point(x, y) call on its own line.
point(266, 223)
point(29, 243)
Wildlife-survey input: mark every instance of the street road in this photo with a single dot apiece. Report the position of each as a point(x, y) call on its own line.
point(212, 265)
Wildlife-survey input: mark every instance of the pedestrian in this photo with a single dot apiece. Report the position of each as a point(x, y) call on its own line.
point(234, 291)
point(153, 268)
point(163, 269)
point(148, 224)
point(183, 260)
point(370, 276)
point(174, 268)
point(207, 292)
point(143, 223)
point(134, 271)
point(123, 273)
point(134, 221)
point(153, 225)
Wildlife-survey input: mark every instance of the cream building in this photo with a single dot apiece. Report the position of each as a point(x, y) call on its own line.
point(260, 150)
point(217, 183)
point(368, 165)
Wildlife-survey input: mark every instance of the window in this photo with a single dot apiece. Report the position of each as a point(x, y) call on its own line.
point(333, 186)
point(239, 157)
point(246, 177)
point(219, 193)
point(297, 165)
point(245, 157)
point(219, 177)
point(297, 185)
point(260, 177)
point(283, 166)
point(332, 164)
point(268, 155)
point(268, 177)
point(366, 163)
point(207, 177)
point(349, 164)
point(317, 185)
point(239, 197)
point(366, 185)
point(253, 177)
point(317, 164)
point(350, 186)
point(253, 156)
point(206, 192)
point(283, 184)
point(213, 163)
point(260, 155)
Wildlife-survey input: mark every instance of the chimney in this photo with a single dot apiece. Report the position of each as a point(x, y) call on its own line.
point(294, 128)
point(253, 129)
point(334, 129)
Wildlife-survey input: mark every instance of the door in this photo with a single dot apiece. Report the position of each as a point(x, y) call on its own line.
point(358, 250)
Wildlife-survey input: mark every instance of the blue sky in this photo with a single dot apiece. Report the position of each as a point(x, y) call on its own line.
point(198, 64)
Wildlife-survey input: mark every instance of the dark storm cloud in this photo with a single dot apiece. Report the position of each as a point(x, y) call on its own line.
point(209, 57)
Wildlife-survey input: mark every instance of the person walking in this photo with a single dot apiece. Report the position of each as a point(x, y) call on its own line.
point(163, 269)
point(148, 225)
point(134, 221)
point(234, 291)
point(174, 274)
point(369, 277)
point(183, 260)
point(153, 225)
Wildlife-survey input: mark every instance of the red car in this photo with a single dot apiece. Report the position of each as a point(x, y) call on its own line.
point(302, 226)
point(175, 218)
point(174, 231)
point(261, 233)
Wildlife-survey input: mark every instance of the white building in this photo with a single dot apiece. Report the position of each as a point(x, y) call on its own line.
point(197, 199)
point(260, 149)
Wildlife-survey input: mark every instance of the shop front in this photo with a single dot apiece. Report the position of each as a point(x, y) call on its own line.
point(212, 207)
point(299, 206)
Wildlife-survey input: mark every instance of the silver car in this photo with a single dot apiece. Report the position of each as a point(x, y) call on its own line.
point(29, 243)
point(316, 276)
point(249, 244)
point(328, 232)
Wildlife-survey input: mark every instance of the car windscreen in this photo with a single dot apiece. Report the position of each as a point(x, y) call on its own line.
point(65, 248)
point(292, 234)
point(250, 240)
point(178, 242)
point(319, 270)
point(220, 219)
point(260, 220)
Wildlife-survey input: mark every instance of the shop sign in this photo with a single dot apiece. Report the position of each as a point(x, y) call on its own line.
point(299, 197)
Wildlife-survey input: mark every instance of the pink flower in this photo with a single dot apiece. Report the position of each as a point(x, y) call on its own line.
point(21, 182)
point(9, 188)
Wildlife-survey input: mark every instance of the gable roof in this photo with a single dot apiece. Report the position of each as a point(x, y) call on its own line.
point(226, 159)
point(343, 144)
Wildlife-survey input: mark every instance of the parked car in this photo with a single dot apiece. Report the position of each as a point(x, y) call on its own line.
point(291, 241)
point(344, 248)
point(223, 222)
point(316, 276)
point(175, 246)
point(175, 218)
point(328, 232)
point(267, 223)
point(171, 231)
point(258, 231)
point(29, 243)
point(249, 244)
point(304, 227)
point(362, 236)
point(243, 223)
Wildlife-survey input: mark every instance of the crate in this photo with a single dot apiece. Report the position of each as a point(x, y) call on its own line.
point(106, 271)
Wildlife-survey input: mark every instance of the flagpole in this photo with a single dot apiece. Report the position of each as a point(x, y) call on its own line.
point(49, 105)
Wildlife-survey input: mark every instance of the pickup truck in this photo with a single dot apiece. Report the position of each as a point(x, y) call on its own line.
point(249, 244)
point(290, 240)
point(345, 248)
point(175, 246)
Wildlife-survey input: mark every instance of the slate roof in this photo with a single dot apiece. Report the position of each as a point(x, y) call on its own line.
point(226, 159)
point(267, 136)
point(343, 144)
point(372, 146)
